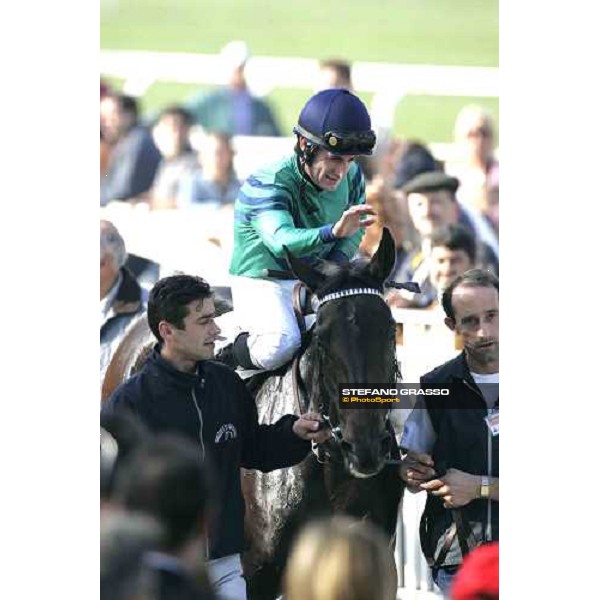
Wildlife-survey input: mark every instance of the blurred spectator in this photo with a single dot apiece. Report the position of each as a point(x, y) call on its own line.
point(104, 145)
point(474, 138)
point(217, 182)
point(171, 136)
point(167, 480)
point(120, 435)
point(335, 73)
point(453, 251)
point(491, 209)
point(341, 559)
point(479, 576)
point(233, 109)
point(391, 213)
point(121, 296)
point(124, 540)
point(133, 156)
point(414, 158)
point(145, 270)
point(431, 205)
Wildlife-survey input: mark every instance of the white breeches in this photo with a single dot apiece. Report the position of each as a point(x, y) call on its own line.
point(264, 308)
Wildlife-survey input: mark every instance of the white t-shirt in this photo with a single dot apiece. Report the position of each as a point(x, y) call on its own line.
point(488, 384)
point(419, 435)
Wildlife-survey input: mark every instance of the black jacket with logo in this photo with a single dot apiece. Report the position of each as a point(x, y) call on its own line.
point(464, 442)
point(214, 409)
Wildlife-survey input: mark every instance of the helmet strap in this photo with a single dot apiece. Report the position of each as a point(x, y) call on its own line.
point(306, 155)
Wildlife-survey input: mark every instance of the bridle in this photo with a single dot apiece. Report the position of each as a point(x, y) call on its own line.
point(333, 446)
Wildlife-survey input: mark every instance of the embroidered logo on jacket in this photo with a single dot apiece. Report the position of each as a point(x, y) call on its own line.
point(225, 433)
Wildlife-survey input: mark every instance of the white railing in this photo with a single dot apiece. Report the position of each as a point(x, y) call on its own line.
point(141, 69)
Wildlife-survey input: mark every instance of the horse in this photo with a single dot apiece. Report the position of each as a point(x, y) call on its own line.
point(352, 342)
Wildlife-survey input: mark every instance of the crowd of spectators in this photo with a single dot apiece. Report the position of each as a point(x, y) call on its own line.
point(444, 218)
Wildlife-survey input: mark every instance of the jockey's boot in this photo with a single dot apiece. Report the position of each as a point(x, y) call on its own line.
point(237, 354)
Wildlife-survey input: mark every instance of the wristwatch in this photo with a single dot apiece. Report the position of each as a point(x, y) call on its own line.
point(484, 490)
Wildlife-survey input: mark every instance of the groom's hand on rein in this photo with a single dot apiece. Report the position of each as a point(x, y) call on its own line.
point(307, 427)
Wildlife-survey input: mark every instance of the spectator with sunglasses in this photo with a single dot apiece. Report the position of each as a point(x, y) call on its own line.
point(313, 204)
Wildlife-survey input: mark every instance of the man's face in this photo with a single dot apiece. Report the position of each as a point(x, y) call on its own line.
point(480, 140)
point(446, 265)
point(111, 119)
point(216, 156)
point(196, 341)
point(476, 319)
point(328, 170)
point(170, 135)
point(431, 210)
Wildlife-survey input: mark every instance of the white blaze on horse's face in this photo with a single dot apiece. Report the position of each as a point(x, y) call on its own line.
point(196, 341)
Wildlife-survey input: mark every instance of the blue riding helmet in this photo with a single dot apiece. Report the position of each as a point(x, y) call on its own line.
point(338, 121)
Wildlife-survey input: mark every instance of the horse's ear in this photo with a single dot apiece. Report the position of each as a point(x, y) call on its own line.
point(305, 273)
point(383, 260)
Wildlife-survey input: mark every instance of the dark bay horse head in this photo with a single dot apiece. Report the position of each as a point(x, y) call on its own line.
point(353, 342)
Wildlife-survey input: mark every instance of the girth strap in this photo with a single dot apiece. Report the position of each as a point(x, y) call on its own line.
point(297, 383)
point(297, 303)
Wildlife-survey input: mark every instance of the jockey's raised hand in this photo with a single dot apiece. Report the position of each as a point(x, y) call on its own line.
point(307, 427)
point(353, 219)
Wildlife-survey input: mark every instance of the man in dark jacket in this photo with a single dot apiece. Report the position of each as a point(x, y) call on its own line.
point(453, 446)
point(181, 389)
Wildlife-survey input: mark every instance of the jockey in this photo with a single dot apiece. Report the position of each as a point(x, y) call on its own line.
point(313, 203)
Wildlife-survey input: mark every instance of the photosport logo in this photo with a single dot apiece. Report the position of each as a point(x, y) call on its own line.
point(385, 395)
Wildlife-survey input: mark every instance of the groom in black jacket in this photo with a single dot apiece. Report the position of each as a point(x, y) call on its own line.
point(181, 389)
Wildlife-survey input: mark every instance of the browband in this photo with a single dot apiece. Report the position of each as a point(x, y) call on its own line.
point(350, 292)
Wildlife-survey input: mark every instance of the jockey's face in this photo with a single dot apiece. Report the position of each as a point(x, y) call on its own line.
point(196, 341)
point(328, 170)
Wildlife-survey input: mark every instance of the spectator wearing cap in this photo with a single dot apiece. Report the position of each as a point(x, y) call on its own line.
point(416, 159)
point(133, 158)
point(232, 109)
point(432, 204)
